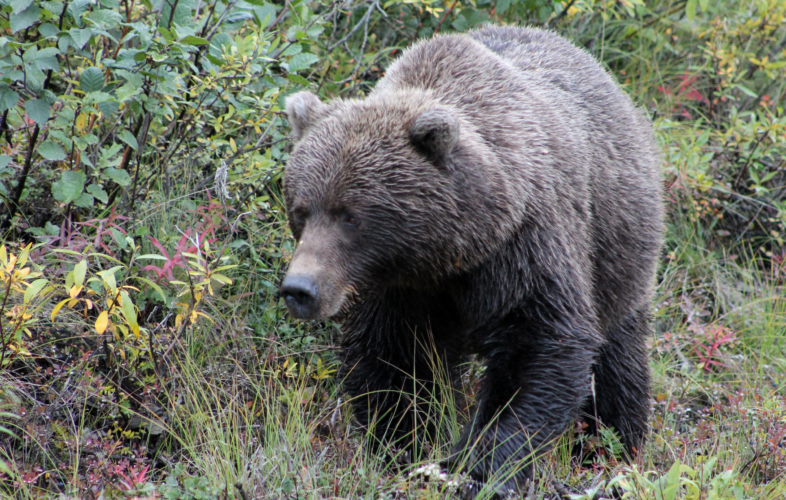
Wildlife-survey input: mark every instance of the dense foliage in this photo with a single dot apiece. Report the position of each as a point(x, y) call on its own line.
point(143, 351)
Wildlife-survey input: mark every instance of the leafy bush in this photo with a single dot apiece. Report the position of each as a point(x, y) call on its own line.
point(143, 351)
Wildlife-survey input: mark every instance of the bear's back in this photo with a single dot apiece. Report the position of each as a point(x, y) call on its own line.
point(556, 118)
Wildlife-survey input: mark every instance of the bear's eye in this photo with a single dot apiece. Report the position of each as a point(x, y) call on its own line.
point(350, 220)
point(300, 214)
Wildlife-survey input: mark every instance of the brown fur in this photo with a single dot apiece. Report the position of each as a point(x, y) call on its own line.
point(495, 194)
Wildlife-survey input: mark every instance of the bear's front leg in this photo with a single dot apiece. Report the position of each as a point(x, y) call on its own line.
point(397, 364)
point(538, 374)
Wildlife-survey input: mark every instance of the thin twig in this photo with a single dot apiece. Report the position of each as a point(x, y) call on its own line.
point(445, 16)
point(750, 157)
point(563, 13)
point(20, 185)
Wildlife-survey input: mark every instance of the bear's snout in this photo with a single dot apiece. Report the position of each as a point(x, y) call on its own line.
point(300, 294)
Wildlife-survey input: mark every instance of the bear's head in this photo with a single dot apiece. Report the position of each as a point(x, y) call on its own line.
point(377, 194)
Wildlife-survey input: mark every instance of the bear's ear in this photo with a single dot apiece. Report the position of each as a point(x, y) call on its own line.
point(304, 109)
point(435, 132)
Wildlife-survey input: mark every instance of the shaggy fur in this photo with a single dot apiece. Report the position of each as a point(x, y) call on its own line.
point(496, 194)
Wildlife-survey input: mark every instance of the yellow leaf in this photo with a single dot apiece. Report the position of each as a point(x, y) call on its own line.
point(232, 145)
point(72, 303)
point(206, 316)
point(102, 322)
point(57, 308)
point(75, 291)
point(221, 278)
point(25, 253)
point(178, 320)
point(81, 121)
point(3, 256)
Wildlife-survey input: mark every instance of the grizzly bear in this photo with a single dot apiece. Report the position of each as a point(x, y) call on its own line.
point(496, 194)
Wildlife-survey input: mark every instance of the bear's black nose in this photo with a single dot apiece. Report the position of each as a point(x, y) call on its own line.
point(300, 295)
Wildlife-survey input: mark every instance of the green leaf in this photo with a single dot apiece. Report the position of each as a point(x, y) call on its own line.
point(294, 77)
point(704, 4)
point(154, 286)
point(129, 313)
point(105, 18)
point(38, 111)
point(8, 98)
point(127, 91)
point(214, 60)
point(91, 79)
point(690, 10)
point(166, 34)
point(194, 40)
point(77, 8)
point(55, 8)
point(48, 30)
point(30, 54)
point(80, 37)
point(69, 187)
point(292, 50)
point(97, 97)
point(4, 161)
point(672, 485)
point(52, 151)
point(134, 79)
point(121, 177)
point(239, 16)
point(151, 256)
point(265, 14)
point(33, 289)
point(85, 200)
point(20, 5)
point(301, 61)
point(45, 63)
point(98, 192)
point(48, 96)
point(745, 90)
point(218, 43)
point(314, 32)
point(80, 271)
point(502, 6)
point(129, 139)
point(118, 236)
point(24, 19)
point(108, 108)
point(43, 53)
point(64, 139)
point(34, 79)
